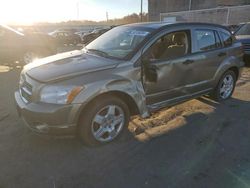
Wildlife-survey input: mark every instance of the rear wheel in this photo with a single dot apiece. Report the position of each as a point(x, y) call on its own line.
point(104, 121)
point(225, 88)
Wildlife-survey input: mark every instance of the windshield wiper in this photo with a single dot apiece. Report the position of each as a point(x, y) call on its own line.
point(99, 52)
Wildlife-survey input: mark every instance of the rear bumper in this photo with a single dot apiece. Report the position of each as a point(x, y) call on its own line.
point(48, 119)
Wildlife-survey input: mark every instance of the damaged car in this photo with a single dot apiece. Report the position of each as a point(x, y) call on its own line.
point(130, 70)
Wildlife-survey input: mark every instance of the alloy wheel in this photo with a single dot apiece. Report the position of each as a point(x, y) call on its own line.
point(108, 123)
point(227, 86)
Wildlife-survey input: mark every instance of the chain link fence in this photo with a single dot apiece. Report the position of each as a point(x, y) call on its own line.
point(222, 15)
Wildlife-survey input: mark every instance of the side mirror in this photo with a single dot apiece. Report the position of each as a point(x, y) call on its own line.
point(150, 71)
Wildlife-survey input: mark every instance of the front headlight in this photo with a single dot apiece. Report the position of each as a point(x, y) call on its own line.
point(59, 94)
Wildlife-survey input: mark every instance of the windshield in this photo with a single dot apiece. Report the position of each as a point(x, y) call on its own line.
point(119, 42)
point(244, 30)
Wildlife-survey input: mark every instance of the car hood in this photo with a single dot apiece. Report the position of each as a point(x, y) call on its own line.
point(64, 65)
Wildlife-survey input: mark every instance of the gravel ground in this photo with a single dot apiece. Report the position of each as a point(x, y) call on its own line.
point(198, 143)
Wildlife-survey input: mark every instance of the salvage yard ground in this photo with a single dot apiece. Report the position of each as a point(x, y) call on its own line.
point(196, 144)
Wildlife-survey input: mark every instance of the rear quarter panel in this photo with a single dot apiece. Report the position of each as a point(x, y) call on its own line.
point(234, 58)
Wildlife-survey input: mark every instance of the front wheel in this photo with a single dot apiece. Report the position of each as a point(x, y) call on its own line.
point(225, 88)
point(103, 121)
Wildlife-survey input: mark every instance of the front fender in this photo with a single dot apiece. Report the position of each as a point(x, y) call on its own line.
point(134, 89)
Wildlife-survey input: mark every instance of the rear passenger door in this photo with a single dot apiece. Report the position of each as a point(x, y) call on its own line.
point(207, 55)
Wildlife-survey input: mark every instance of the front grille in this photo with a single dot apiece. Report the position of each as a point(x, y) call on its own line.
point(26, 91)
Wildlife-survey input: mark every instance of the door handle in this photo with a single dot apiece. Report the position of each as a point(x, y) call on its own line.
point(222, 54)
point(188, 61)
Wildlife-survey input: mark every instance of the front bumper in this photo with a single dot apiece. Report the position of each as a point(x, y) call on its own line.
point(49, 119)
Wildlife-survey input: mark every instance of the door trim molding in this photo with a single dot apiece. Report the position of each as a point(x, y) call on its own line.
point(170, 102)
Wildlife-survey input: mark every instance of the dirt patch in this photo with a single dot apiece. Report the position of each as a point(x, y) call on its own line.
point(169, 119)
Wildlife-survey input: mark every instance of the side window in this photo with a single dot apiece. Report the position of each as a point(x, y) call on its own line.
point(206, 40)
point(170, 46)
point(217, 39)
point(226, 39)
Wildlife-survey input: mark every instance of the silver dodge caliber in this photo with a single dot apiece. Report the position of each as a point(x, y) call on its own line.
point(132, 69)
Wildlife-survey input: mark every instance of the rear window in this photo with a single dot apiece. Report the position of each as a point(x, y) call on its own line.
point(206, 40)
point(226, 39)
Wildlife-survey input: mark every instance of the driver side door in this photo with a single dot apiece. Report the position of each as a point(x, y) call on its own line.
point(164, 67)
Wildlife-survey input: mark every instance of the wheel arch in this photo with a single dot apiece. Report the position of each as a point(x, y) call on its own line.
point(126, 98)
point(235, 70)
point(231, 63)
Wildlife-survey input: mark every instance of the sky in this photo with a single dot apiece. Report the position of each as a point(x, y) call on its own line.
point(32, 11)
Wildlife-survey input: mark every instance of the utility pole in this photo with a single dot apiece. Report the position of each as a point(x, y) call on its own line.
point(107, 16)
point(190, 5)
point(141, 9)
point(77, 10)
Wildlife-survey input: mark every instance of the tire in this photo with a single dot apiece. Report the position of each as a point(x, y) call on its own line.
point(222, 91)
point(103, 121)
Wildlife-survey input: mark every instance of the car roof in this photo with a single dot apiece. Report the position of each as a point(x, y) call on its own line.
point(152, 25)
point(163, 25)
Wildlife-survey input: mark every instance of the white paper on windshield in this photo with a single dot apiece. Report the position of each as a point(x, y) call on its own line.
point(138, 33)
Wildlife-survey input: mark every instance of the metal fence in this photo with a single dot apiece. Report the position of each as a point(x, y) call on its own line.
point(222, 15)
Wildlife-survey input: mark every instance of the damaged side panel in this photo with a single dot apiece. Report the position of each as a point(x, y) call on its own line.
point(122, 80)
point(135, 90)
